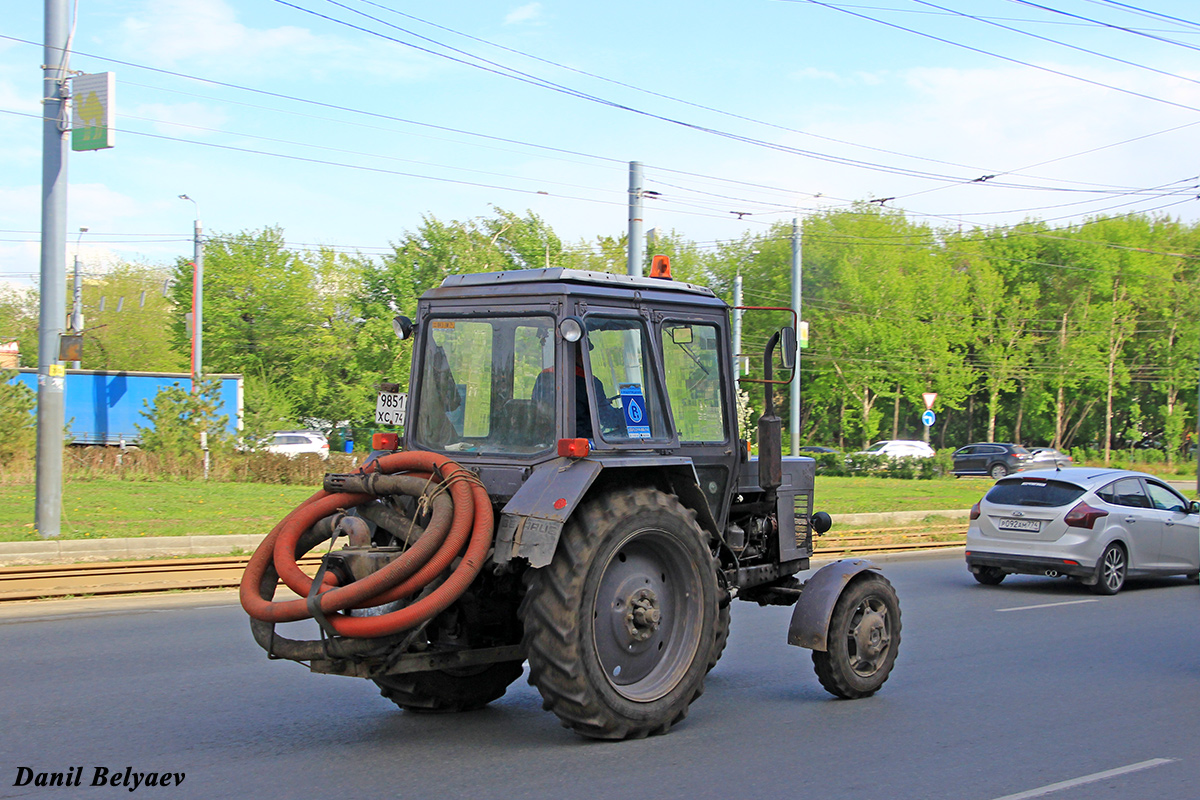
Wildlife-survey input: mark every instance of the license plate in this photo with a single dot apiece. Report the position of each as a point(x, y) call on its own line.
point(389, 408)
point(1019, 525)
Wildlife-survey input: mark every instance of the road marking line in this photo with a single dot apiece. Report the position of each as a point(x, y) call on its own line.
point(1050, 605)
point(1086, 779)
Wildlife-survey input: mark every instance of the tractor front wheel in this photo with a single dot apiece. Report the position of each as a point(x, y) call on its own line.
point(864, 636)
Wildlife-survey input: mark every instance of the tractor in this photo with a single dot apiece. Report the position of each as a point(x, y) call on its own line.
point(570, 490)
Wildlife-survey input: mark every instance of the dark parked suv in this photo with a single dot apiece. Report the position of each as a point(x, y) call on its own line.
point(990, 458)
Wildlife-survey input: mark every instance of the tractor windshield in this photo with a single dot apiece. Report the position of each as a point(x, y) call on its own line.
point(487, 385)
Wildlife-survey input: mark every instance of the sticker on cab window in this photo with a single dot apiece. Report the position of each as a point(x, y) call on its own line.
point(633, 403)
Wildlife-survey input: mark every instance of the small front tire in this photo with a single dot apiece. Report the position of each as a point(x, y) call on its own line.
point(863, 640)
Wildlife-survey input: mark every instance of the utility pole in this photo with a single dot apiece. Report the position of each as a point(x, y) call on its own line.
point(796, 286)
point(77, 306)
point(47, 519)
point(637, 243)
point(737, 326)
point(197, 297)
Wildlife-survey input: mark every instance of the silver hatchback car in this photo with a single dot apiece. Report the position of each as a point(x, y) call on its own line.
point(1096, 525)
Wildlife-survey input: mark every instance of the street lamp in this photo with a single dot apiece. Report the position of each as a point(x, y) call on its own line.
point(197, 297)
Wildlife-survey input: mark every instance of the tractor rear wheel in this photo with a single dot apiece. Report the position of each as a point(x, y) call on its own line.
point(623, 625)
point(448, 691)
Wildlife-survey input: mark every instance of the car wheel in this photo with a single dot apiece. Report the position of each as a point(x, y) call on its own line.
point(1110, 572)
point(990, 576)
point(999, 471)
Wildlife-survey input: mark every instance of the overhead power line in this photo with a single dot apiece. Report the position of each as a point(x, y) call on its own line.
point(1009, 59)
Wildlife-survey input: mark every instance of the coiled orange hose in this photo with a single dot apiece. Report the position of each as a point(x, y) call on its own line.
point(470, 522)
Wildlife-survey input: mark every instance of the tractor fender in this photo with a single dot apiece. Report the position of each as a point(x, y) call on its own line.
point(810, 619)
point(533, 519)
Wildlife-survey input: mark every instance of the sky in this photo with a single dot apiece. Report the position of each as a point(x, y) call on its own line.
point(346, 122)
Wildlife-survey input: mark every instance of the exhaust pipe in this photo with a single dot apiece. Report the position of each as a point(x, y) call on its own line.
point(1051, 573)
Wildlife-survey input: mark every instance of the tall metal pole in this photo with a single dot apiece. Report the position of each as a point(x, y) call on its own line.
point(794, 425)
point(50, 414)
point(737, 325)
point(197, 296)
point(198, 290)
point(637, 242)
point(77, 306)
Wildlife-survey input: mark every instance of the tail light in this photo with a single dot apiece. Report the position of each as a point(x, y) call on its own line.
point(1084, 516)
point(385, 441)
point(975, 512)
point(573, 448)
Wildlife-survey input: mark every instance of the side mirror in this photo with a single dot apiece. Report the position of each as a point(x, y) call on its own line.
point(821, 522)
point(402, 326)
point(1194, 507)
point(787, 347)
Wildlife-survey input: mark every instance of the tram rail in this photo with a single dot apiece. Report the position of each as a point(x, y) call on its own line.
point(56, 581)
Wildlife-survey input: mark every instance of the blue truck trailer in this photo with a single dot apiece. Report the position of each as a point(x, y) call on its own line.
point(102, 407)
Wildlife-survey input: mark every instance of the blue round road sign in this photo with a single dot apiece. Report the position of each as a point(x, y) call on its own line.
point(928, 418)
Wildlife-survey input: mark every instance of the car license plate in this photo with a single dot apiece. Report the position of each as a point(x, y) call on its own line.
point(1019, 525)
point(389, 408)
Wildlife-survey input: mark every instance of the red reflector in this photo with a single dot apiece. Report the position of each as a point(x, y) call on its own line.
point(385, 441)
point(975, 510)
point(1070, 563)
point(573, 448)
point(1084, 516)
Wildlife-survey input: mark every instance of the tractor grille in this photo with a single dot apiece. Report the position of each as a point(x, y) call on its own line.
point(802, 510)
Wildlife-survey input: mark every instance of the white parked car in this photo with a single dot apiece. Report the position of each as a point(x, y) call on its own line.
point(293, 443)
point(899, 447)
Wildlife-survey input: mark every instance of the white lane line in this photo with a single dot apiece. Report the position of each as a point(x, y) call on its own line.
point(1086, 779)
point(1051, 605)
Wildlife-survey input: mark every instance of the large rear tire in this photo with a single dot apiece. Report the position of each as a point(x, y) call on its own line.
point(864, 637)
point(623, 625)
point(449, 691)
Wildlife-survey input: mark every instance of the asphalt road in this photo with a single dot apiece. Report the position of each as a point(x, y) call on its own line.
point(1034, 688)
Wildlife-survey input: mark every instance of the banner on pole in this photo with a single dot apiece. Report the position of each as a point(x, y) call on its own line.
point(94, 101)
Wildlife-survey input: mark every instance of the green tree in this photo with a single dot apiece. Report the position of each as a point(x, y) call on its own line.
point(177, 417)
point(19, 322)
point(127, 321)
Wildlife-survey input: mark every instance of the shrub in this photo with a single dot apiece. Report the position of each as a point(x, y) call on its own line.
point(18, 427)
point(178, 416)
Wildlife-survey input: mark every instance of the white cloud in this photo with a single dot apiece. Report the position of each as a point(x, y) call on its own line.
point(530, 12)
point(209, 33)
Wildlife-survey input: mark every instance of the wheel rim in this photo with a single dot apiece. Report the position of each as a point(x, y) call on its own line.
point(999, 471)
point(869, 638)
point(647, 616)
point(1114, 568)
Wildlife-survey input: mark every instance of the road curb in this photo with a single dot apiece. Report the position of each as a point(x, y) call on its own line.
point(69, 551)
point(896, 518)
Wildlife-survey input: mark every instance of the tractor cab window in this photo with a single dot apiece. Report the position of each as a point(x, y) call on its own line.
point(692, 365)
point(628, 404)
point(487, 385)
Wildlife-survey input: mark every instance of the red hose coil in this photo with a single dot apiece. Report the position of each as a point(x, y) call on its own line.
point(471, 524)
